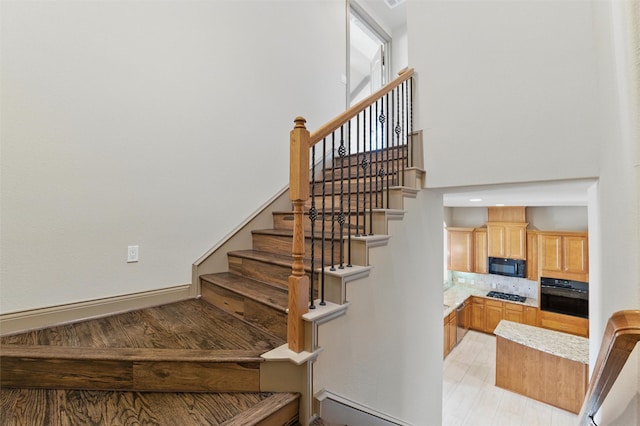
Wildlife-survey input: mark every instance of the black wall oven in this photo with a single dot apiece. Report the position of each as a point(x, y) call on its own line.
point(564, 297)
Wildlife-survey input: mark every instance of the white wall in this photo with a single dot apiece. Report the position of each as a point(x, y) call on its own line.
point(384, 354)
point(618, 191)
point(507, 90)
point(161, 124)
point(547, 86)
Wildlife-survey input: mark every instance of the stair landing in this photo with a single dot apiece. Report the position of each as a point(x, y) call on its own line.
point(185, 350)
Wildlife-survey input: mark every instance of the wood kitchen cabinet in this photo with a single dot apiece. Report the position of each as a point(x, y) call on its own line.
point(530, 315)
point(565, 323)
point(532, 256)
point(480, 251)
point(486, 314)
point(494, 314)
point(513, 312)
point(477, 313)
point(460, 253)
point(564, 255)
point(507, 240)
point(450, 337)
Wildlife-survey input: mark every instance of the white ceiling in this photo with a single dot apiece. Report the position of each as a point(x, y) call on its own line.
point(391, 17)
point(556, 193)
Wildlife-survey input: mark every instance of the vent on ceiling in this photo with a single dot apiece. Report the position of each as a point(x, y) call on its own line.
point(393, 3)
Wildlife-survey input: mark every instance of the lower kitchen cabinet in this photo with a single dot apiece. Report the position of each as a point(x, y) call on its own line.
point(513, 312)
point(449, 333)
point(494, 314)
point(564, 323)
point(530, 315)
point(477, 313)
point(486, 314)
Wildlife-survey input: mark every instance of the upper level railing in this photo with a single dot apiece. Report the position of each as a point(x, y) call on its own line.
point(340, 173)
point(620, 337)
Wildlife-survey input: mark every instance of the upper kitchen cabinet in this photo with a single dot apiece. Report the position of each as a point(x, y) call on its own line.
point(507, 232)
point(506, 239)
point(532, 255)
point(564, 255)
point(480, 251)
point(460, 256)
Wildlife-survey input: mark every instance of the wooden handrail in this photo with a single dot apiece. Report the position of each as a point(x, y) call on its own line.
point(341, 119)
point(620, 337)
point(301, 141)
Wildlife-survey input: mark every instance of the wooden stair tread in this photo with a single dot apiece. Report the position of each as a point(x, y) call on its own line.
point(191, 324)
point(265, 293)
point(126, 407)
point(265, 408)
point(129, 354)
point(262, 256)
point(289, 233)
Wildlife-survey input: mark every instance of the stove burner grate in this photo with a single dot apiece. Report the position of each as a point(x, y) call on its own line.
point(506, 296)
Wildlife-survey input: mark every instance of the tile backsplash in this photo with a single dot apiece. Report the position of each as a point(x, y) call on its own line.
point(519, 286)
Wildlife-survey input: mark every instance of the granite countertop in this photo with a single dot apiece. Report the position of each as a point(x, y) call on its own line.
point(456, 294)
point(574, 348)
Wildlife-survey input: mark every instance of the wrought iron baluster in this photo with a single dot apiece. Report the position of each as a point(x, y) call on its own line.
point(405, 156)
point(333, 198)
point(389, 145)
point(398, 130)
point(349, 196)
point(342, 152)
point(377, 153)
point(313, 215)
point(381, 152)
point(324, 215)
point(358, 174)
point(410, 148)
point(364, 166)
point(370, 170)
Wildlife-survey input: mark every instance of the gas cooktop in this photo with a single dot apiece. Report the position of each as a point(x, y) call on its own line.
point(506, 296)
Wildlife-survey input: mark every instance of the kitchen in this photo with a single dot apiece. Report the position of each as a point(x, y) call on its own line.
point(521, 273)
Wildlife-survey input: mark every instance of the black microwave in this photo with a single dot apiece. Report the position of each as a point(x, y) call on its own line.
point(508, 267)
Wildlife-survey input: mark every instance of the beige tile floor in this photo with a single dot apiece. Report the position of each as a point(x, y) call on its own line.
point(470, 397)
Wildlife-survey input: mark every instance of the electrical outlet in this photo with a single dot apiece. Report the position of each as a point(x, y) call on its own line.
point(132, 254)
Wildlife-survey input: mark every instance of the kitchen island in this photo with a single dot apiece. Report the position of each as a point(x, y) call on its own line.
point(545, 365)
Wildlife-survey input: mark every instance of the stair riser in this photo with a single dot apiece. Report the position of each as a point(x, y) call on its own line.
point(271, 273)
point(373, 200)
point(285, 221)
point(283, 244)
point(393, 153)
point(353, 189)
point(357, 175)
point(130, 375)
point(262, 316)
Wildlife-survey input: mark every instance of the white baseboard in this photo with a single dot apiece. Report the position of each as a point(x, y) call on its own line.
point(34, 319)
point(339, 410)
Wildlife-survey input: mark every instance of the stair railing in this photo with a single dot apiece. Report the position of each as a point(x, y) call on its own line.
point(375, 136)
point(620, 337)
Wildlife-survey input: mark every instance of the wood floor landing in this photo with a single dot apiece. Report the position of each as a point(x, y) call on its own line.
point(188, 346)
point(35, 407)
point(190, 324)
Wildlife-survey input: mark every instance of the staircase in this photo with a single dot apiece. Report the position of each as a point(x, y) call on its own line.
point(229, 346)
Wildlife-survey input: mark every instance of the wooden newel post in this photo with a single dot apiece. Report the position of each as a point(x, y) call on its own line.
point(299, 194)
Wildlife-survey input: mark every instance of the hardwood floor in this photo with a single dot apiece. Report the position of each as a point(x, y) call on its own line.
point(191, 324)
point(470, 397)
point(75, 407)
point(188, 335)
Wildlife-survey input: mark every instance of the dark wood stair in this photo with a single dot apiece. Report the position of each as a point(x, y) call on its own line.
point(150, 361)
point(211, 345)
point(52, 407)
